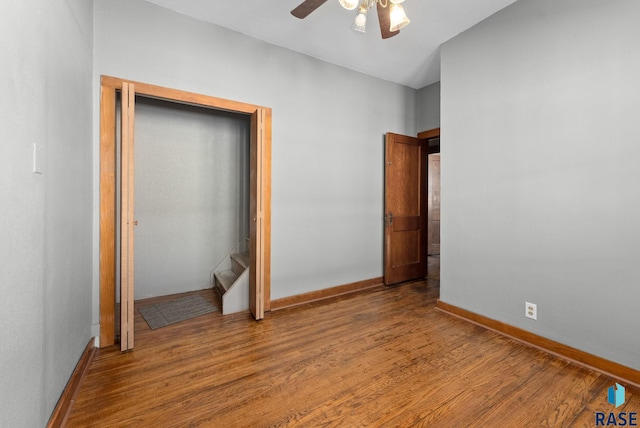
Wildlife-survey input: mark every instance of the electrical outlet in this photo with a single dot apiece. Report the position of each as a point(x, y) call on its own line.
point(531, 310)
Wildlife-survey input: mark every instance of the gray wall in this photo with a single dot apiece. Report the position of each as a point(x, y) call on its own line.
point(46, 219)
point(328, 128)
point(540, 172)
point(428, 107)
point(191, 194)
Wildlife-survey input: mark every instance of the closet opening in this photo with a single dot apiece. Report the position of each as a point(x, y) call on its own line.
point(188, 176)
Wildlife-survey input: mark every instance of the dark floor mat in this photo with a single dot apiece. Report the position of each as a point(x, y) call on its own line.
point(184, 308)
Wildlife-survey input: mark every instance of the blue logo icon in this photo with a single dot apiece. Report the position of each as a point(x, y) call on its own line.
point(615, 395)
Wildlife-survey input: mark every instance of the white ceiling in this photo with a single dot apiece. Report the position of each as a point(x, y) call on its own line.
point(412, 58)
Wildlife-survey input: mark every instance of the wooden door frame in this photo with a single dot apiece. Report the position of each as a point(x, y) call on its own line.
point(109, 86)
point(429, 134)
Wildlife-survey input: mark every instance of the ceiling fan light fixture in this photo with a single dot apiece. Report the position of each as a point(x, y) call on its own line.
point(397, 17)
point(349, 4)
point(391, 14)
point(360, 22)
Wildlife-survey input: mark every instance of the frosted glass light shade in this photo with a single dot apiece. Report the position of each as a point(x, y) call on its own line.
point(360, 23)
point(397, 17)
point(349, 4)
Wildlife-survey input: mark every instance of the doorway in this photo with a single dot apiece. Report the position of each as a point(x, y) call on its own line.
point(191, 194)
point(259, 195)
point(433, 197)
point(406, 196)
point(433, 206)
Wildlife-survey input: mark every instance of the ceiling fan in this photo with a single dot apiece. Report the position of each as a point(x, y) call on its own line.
point(391, 14)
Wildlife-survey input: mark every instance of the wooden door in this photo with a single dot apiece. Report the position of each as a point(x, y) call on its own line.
point(405, 208)
point(256, 283)
point(433, 201)
point(127, 221)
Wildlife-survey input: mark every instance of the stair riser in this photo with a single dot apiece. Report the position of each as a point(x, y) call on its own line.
point(219, 287)
point(237, 267)
point(224, 280)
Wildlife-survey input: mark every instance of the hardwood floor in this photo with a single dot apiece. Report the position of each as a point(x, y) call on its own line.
point(378, 358)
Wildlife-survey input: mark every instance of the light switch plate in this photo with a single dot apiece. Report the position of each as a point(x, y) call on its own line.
point(38, 158)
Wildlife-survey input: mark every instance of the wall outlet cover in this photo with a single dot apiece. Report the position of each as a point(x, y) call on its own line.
point(531, 310)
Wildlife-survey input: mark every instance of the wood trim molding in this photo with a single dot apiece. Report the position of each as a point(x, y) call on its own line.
point(327, 293)
point(431, 133)
point(576, 356)
point(160, 92)
point(65, 403)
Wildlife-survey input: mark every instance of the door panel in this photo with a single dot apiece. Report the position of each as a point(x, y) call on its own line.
point(127, 217)
point(256, 281)
point(406, 249)
point(405, 208)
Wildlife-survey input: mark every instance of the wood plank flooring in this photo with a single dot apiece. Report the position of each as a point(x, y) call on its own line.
point(385, 357)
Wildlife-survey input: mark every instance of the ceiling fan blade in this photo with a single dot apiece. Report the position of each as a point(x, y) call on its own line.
point(385, 22)
point(306, 7)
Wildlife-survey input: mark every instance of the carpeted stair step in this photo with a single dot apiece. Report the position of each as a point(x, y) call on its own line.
point(224, 280)
point(239, 262)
